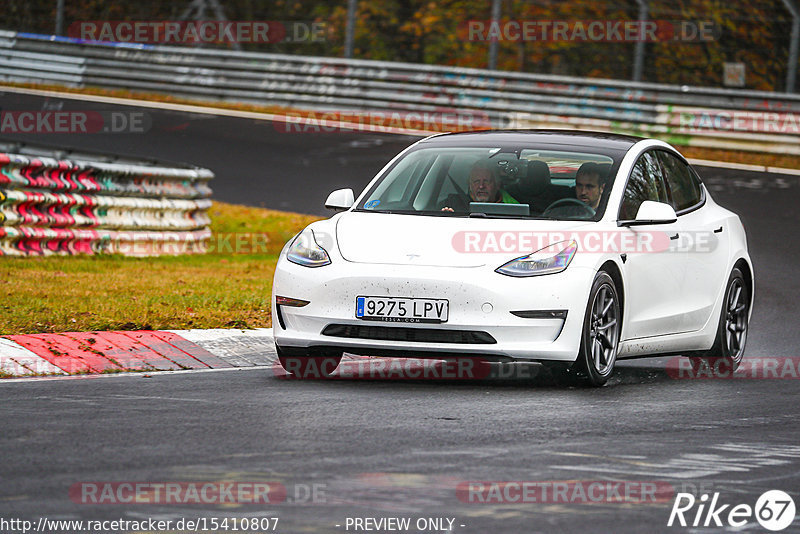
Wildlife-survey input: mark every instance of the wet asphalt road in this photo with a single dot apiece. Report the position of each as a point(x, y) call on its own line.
point(401, 449)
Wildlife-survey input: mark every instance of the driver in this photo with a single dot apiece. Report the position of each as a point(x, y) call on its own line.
point(483, 187)
point(589, 184)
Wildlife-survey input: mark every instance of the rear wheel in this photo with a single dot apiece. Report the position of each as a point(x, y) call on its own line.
point(308, 366)
point(728, 350)
point(600, 337)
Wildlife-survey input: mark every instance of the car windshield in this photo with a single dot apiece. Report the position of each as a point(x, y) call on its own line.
point(495, 182)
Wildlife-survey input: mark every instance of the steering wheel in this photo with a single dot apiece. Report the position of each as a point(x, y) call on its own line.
point(571, 201)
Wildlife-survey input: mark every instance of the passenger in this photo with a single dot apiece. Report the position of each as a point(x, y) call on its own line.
point(589, 184)
point(483, 187)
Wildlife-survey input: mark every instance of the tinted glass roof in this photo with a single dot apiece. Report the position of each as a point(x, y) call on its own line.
point(573, 138)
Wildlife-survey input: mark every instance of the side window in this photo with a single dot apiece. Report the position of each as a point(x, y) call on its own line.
point(645, 183)
point(682, 183)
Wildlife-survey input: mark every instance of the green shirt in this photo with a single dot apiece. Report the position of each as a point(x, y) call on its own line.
point(506, 198)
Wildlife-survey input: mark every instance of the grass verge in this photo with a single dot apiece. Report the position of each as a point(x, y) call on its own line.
point(229, 287)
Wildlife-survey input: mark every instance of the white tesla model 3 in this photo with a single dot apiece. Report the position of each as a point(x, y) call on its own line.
point(572, 249)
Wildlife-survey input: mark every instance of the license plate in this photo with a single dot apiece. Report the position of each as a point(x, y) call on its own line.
point(402, 310)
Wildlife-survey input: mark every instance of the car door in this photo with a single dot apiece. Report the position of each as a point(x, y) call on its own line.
point(654, 277)
point(703, 238)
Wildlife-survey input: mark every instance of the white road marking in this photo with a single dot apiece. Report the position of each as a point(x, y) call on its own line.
point(733, 457)
point(240, 348)
point(133, 374)
point(19, 361)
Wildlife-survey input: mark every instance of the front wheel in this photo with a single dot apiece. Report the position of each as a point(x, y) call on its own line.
point(602, 324)
point(728, 350)
point(308, 367)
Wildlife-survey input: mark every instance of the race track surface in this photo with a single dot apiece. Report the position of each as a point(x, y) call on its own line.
point(394, 448)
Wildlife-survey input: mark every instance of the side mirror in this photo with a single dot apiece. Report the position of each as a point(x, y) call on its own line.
point(651, 212)
point(341, 199)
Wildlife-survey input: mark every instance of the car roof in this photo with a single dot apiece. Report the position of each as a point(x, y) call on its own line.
point(572, 138)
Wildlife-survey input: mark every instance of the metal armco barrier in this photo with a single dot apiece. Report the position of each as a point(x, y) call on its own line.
point(82, 205)
point(683, 115)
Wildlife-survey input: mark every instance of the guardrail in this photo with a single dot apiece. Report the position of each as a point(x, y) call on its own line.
point(683, 115)
point(53, 205)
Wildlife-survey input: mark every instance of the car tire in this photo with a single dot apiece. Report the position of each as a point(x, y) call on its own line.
point(308, 366)
point(727, 352)
point(602, 324)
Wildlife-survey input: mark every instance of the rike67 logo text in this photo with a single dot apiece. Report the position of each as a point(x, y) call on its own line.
point(774, 510)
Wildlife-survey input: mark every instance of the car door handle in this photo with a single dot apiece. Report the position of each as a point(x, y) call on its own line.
point(674, 237)
point(718, 230)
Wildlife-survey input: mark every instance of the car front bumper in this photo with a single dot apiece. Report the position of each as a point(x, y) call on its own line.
point(480, 300)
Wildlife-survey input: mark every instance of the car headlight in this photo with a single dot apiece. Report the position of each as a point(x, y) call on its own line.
point(305, 251)
point(549, 260)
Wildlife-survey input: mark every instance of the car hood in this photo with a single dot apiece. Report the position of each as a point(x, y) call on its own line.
point(382, 238)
